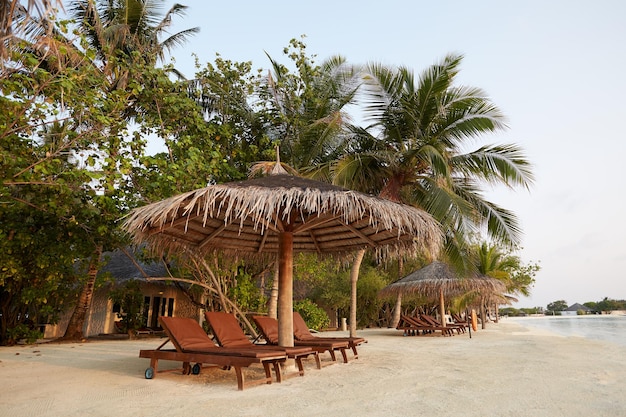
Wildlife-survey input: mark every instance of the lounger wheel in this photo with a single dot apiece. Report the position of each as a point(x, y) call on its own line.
point(149, 373)
point(196, 369)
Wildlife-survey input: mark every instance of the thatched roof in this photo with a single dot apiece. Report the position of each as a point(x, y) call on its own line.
point(245, 217)
point(437, 276)
point(120, 267)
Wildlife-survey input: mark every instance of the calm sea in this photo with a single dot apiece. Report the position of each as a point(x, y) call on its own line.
point(610, 328)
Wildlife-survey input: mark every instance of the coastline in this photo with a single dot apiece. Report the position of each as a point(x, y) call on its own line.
point(506, 369)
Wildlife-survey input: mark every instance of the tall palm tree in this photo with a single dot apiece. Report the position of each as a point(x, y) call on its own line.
point(130, 28)
point(309, 108)
point(416, 151)
point(14, 16)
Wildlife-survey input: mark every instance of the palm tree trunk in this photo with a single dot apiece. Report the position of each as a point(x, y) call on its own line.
point(272, 303)
point(74, 329)
point(397, 310)
point(483, 315)
point(354, 277)
point(442, 308)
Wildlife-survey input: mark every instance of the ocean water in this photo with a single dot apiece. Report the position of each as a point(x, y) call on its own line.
point(611, 328)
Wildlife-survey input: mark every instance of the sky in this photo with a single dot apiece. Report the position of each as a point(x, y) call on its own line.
point(555, 68)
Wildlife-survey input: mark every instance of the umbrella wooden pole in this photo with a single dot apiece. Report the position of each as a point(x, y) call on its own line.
point(442, 307)
point(285, 289)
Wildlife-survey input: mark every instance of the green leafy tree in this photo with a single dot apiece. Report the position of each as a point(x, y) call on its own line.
point(126, 39)
point(608, 304)
point(557, 306)
point(499, 262)
point(308, 107)
point(51, 124)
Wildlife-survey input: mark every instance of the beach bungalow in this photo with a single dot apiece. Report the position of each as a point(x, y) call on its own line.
point(574, 309)
point(160, 299)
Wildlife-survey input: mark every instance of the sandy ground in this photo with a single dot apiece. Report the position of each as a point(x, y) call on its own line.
point(505, 370)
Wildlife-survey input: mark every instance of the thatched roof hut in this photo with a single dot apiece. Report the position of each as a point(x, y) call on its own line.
point(436, 277)
point(438, 280)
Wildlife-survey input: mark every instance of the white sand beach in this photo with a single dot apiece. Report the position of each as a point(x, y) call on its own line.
point(505, 370)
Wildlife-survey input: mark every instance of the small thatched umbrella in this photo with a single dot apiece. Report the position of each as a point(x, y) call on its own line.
point(279, 215)
point(437, 279)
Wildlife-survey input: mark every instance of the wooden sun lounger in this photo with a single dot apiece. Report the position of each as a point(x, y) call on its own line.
point(459, 321)
point(413, 326)
point(269, 329)
point(229, 334)
point(302, 333)
point(431, 320)
point(192, 344)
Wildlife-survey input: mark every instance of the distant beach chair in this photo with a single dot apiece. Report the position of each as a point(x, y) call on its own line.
point(192, 344)
point(460, 328)
point(411, 325)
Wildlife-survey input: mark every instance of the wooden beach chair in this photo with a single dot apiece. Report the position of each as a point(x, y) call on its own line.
point(269, 329)
point(302, 333)
point(229, 334)
point(414, 326)
point(192, 344)
point(431, 320)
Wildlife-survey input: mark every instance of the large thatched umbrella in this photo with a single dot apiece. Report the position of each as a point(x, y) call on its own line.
point(437, 280)
point(278, 215)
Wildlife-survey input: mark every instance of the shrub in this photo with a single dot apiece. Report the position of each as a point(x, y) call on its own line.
point(314, 316)
point(22, 332)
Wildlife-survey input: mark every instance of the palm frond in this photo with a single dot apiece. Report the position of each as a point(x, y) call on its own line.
point(497, 164)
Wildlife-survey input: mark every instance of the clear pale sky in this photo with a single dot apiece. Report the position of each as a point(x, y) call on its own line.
point(555, 68)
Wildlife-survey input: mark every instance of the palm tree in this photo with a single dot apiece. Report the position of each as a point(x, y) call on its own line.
point(416, 151)
point(129, 28)
point(14, 17)
point(308, 109)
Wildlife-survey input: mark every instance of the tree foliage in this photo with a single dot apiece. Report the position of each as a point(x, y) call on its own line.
point(558, 305)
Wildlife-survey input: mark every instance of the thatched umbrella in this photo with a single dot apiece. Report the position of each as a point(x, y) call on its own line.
point(278, 215)
point(437, 279)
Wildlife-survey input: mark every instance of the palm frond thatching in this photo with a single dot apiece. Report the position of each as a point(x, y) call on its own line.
point(246, 217)
point(436, 277)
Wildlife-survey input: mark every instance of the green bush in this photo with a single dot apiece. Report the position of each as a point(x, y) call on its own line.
point(22, 332)
point(246, 294)
point(314, 316)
